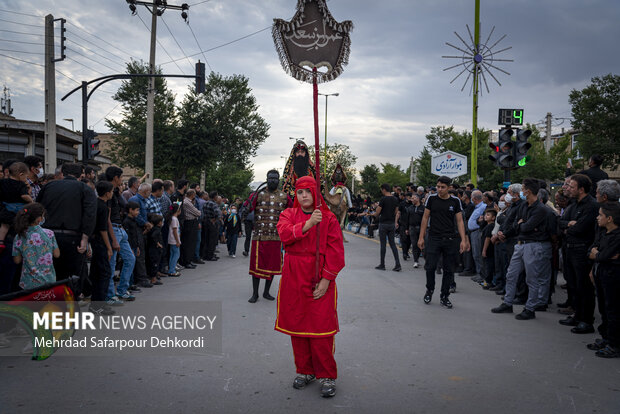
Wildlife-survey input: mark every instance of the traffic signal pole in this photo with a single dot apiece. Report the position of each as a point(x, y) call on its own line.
point(474, 132)
point(84, 88)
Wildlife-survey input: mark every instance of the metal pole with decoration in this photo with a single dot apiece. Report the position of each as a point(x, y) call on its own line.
point(310, 41)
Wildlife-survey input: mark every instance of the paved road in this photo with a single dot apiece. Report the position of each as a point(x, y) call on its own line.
point(395, 355)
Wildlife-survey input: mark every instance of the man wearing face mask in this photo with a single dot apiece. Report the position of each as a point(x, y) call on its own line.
point(531, 253)
point(35, 172)
point(266, 253)
point(499, 280)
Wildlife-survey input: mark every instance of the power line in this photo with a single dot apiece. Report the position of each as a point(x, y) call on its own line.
point(222, 45)
point(19, 41)
point(106, 42)
point(159, 43)
point(98, 54)
point(23, 14)
point(199, 48)
point(22, 60)
point(24, 33)
point(106, 115)
point(87, 67)
point(175, 40)
point(200, 2)
point(88, 41)
point(22, 24)
point(91, 59)
point(22, 51)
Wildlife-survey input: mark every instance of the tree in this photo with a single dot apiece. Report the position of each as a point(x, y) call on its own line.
point(596, 115)
point(129, 137)
point(370, 181)
point(231, 179)
point(422, 167)
point(393, 175)
point(336, 154)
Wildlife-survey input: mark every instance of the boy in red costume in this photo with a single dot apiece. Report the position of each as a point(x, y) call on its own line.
point(306, 306)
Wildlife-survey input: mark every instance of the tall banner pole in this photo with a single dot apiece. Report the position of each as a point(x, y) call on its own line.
point(317, 161)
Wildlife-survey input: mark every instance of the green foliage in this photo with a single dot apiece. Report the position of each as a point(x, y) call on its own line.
point(370, 181)
point(393, 175)
point(422, 167)
point(335, 154)
point(230, 179)
point(596, 115)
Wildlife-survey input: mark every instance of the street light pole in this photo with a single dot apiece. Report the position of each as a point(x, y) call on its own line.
point(326, 95)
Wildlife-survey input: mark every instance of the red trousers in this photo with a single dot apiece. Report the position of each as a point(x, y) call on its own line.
point(315, 356)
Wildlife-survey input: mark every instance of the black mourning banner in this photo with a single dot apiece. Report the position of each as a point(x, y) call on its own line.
point(312, 38)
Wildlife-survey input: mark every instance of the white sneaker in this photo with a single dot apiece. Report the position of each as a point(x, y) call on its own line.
point(233, 256)
point(415, 265)
point(17, 332)
point(28, 349)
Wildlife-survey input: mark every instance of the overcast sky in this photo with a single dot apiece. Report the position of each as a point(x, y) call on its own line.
point(391, 93)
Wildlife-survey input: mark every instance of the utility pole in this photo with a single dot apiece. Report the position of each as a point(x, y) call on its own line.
point(548, 135)
point(50, 97)
point(411, 172)
point(157, 8)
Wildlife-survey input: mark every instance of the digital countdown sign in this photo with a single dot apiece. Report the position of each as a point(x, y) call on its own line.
point(510, 117)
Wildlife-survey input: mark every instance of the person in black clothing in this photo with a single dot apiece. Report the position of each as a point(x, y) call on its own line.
point(415, 212)
point(532, 253)
point(388, 218)
point(488, 250)
point(403, 227)
point(577, 224)
point(102, 251)
point(467, 258)
point(594, 173)
point(179, 194)
point(443, 216)
point(155, 247)
point(71, 207)
point(507, 233)
point(606, 255)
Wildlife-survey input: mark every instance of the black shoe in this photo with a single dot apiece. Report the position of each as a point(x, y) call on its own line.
point(496, 288)
point(503, 308)
point(197, 261)
point(608, 352)
point(405, 257)
point(328, 387)
point(583, 328)
point(526, 315)
point(397, 268)
point(190, 266)
point(477, 278)
point(135, 288)
point(428, 296)
point(213, 259)
point(253, 299)
point(467, 273)
point(598, 344)
point(540, 308)
point(267, 296)
point(380, 267)
point(245, 253)
point(500, 292)
point(157, 283)
point(302, 380)
point(563, 305)
point(570, 321)
point(101, 310)
point(146, 284)
point(518, 302)
point(444, 301)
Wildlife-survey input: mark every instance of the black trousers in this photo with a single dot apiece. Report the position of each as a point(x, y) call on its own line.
point(249, 226)
point(609, 283)
point(580, 267)
point(569, 276)
point(100, 271)
point(436, 247)
point(388, 230)
point(70, 263)
point(405, 240)
point(210, 239)
point(414, 234)
point(189, 237)
point(139, 270)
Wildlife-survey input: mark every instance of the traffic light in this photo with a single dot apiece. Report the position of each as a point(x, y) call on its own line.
point(92, 144)
point(200, 77)
point(503, 157)
point(522, 146)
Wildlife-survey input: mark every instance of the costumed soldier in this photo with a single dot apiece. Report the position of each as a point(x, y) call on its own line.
point(298, 165)
point(306, 302)
point(339, 182)
point(266, 253)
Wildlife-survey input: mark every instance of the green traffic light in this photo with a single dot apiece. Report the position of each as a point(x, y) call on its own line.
point(524, 161)
point(519, 116)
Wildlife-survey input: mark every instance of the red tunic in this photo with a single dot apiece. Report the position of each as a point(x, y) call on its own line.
point(299, 314)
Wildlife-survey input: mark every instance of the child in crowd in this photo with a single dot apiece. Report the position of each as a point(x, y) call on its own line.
point(100, 271)
point(133, 232)
point(14, 194)
point(155, 247)
point(174, 240)
point(35, 247)
point(233, 231)
point(606, 255)
point(488, 250)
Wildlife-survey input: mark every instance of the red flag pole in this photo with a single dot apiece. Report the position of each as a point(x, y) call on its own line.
point(317, 165)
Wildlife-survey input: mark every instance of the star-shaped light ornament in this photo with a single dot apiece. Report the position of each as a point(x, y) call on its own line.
point(312, 39)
